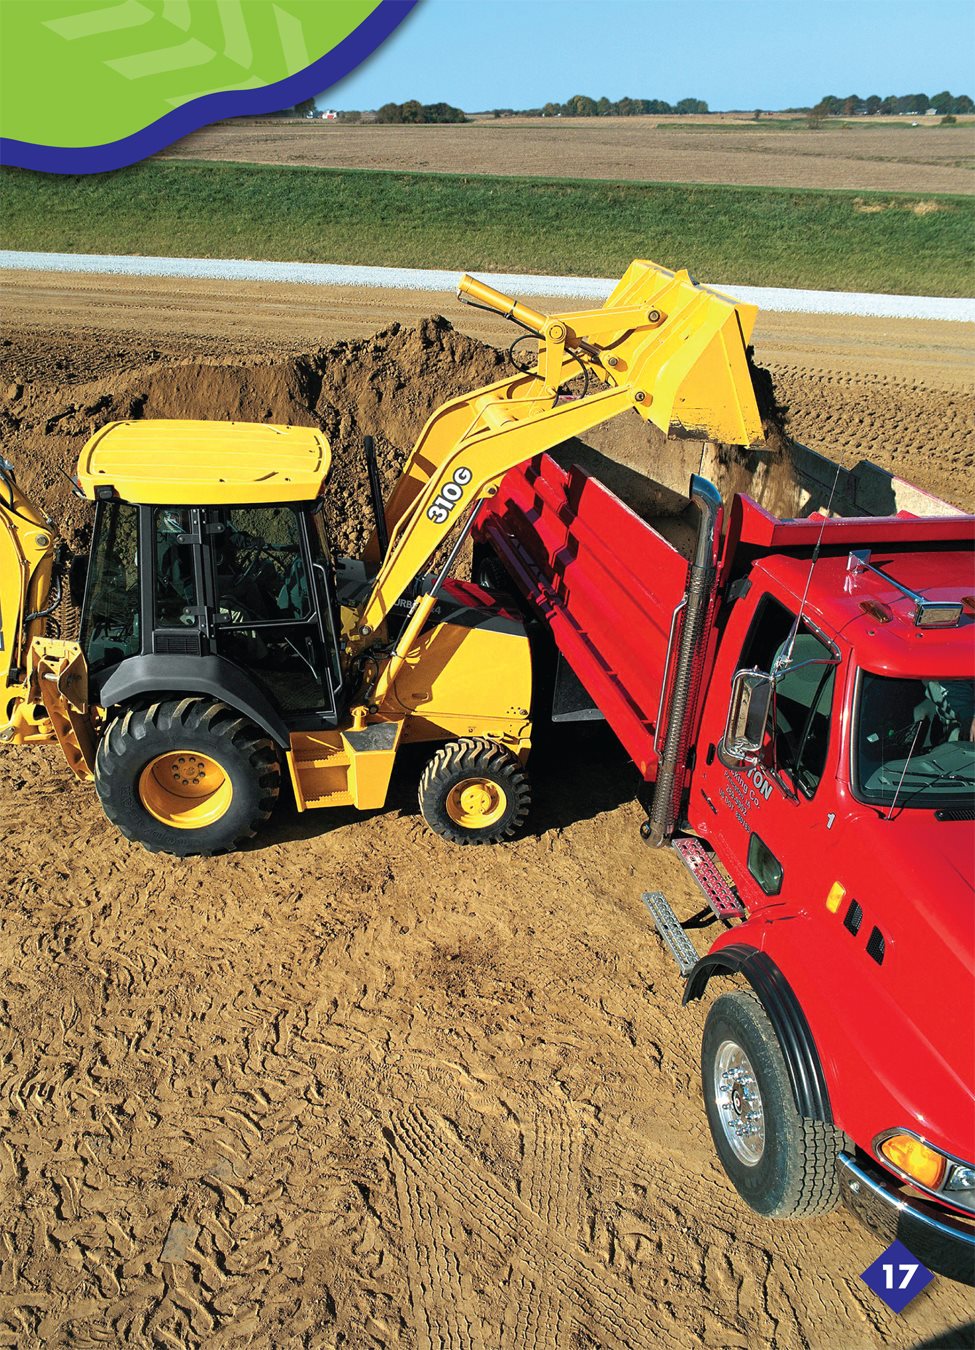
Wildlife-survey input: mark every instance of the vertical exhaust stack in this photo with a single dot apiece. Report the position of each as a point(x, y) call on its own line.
point(690, 654)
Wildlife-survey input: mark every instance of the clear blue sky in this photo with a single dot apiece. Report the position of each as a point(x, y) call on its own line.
point(747, 54)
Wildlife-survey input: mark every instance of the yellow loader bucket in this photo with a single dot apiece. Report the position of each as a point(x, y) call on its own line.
point(673, 350)
point(695, 362)
point(680, 347)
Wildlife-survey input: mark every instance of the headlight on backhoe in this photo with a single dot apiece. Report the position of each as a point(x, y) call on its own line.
point(927, 1168)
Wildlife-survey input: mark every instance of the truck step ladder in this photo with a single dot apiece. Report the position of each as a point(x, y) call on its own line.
point(668, 926)
point(721, 896)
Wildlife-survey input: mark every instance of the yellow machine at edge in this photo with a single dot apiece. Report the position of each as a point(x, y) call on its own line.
point(223, 650)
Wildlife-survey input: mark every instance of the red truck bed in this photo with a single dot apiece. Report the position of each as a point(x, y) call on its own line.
point(606, 583)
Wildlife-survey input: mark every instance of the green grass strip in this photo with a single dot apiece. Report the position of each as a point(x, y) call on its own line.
point(869, 241)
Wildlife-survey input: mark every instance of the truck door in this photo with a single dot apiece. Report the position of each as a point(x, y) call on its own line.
point(766, 820)
point(265, 613)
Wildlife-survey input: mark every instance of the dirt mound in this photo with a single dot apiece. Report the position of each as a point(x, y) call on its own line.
point(385, 386)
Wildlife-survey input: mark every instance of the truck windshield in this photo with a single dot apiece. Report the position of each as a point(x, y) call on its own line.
point(915, 742)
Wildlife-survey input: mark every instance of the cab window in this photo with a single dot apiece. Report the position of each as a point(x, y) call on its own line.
point(799, 724)
point(110, 623)
point(265, 612)
point(259, 566)
point(176, 600)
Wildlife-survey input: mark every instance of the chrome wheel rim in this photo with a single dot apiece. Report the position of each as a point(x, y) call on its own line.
point(741, 1112)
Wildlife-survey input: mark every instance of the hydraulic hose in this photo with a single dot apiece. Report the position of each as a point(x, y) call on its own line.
point(707, 499)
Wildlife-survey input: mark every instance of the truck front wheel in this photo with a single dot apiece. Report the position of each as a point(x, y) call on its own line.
point(474, 792)
point(781, 1164)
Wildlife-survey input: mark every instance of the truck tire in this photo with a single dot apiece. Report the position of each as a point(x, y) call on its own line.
point(186, 776)
point(474, 792)
point(783, 1165)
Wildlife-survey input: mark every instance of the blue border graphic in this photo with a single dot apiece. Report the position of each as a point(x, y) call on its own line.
point(199, 112)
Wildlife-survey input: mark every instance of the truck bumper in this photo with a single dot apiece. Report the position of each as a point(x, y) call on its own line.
point(943, 1241)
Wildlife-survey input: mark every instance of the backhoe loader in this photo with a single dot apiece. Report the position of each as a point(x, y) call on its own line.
point(223, 649)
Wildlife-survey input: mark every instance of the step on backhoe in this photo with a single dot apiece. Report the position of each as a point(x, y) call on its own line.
point(223, 650)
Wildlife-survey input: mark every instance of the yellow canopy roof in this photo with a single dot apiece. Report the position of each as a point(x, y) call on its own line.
point(184, 463)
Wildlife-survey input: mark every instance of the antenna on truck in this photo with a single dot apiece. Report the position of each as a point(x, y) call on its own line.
point(785, 656)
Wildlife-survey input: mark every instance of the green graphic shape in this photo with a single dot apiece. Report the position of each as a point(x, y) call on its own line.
point(84, 72)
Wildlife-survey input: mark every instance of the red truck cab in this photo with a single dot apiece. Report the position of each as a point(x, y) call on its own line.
point(802, 695)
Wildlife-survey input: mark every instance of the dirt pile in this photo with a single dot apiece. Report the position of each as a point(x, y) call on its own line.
point(385, 386)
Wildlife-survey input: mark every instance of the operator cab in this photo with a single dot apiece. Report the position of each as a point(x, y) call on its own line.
point(209, 543)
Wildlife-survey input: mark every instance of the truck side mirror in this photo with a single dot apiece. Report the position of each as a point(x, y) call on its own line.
point(751, 699)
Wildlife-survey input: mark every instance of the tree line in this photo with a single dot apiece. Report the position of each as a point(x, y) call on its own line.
point(581, 105)
point(855, 106)
point(412, 111)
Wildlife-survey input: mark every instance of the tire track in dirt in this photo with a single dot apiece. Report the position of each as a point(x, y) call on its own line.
point(433, 1255)
point(439, 1160)
point(739, 1263)
point(551, 1176)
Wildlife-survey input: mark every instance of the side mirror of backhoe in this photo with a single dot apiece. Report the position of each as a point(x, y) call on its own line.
point(77, 576)
point(751, 700)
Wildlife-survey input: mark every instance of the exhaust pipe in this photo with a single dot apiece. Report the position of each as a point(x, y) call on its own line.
point(663, 809)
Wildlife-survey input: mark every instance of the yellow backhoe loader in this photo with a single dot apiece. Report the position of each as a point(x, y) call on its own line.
point(222, 648)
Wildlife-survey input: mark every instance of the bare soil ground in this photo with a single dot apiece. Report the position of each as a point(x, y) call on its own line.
point(353, 1086)
point(888, 158)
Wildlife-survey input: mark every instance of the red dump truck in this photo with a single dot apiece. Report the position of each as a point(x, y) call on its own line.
point(800, 693)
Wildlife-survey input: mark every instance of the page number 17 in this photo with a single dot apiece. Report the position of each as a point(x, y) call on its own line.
point(907, 1270)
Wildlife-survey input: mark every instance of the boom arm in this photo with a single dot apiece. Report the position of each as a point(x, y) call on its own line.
point(671, 349)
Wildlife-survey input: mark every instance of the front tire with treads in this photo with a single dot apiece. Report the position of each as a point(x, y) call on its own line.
point(474, 792)
point(782, 1164)
point(186, 776)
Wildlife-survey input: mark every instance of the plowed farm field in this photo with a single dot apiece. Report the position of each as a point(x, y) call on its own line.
point(887, 157)
point(354, 1086)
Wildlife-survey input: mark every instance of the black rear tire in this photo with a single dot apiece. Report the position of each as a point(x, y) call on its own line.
point(784, 1166)
point(186, 776)
point(474, 792)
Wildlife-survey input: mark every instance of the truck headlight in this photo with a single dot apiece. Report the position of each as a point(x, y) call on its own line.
point(927, 1167)
point(960, 1183)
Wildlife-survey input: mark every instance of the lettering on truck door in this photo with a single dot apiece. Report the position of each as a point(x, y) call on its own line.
point(764, 813)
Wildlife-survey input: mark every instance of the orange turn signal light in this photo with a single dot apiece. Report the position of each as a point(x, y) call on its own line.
point(835, 897)
point(916, 1160)
point(877, 610)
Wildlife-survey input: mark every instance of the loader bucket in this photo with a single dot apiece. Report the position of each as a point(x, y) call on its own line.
point(695, 365)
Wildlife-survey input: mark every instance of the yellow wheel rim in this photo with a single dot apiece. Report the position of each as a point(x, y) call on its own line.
point(185, 789)
point(476, 803)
